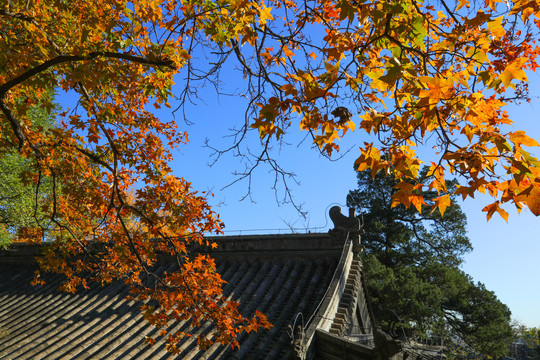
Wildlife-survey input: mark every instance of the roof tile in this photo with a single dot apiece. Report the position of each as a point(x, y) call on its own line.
point(99, 323)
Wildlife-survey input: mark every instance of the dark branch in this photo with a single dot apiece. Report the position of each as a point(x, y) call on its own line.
point(76, 58)
point(15, 125)
point(18, 15)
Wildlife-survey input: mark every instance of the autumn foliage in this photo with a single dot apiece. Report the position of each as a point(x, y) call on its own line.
point(411, 73)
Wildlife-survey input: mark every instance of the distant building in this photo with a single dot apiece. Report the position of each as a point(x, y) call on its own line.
point(520, 351)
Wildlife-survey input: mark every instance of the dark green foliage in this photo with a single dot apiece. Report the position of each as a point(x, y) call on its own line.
point(400, 235)
point(412, 270)
point(479, 318)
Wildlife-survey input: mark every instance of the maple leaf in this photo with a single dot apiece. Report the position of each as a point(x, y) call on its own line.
point(265, 14)
point(442, 202)
point(495, 207)
point(520, 138)
point(287, 52)
point(530, 195)
point(418, 201)
point(514, 71)
point(496, 28)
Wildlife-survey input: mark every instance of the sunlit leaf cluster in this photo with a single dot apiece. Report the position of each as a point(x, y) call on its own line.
point(420, 75)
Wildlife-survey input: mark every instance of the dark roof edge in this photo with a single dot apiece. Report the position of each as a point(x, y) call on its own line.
point(262, 245)
point(275, 243)
point(17, 253)
point(269, 236)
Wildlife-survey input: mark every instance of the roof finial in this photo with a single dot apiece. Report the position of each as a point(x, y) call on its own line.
point(348, 225)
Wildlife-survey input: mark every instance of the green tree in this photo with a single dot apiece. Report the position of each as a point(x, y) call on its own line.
point(530, 336)
point(401, 235)
point(20, 214)
point(526, 342)
point(412, 269)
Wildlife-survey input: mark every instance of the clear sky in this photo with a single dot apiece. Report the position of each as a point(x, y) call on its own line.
point(505, 257)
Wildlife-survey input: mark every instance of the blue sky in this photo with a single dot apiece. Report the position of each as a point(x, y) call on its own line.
point(505, 256)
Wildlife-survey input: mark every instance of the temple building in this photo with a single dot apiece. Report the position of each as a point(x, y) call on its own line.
point(310, 287)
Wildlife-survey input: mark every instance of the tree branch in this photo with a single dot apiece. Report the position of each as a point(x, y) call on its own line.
point(15, 125)
point(76, 58)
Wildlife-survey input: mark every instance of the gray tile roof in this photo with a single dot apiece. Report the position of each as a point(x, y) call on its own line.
point(278, 275)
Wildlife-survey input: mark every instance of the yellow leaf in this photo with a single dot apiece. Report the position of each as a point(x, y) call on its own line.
point(418, 201)
point(265, 15)
point(514, 71)
point(351, 125)
point(503, 214)
point(461, 4)
point(520, 138)
point(287, 52)
point(491, 208)
point(526, 7)
point(532, 199)
point(442, 202)
point(496, 28)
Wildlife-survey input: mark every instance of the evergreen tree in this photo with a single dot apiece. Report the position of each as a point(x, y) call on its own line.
point(412, 270)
